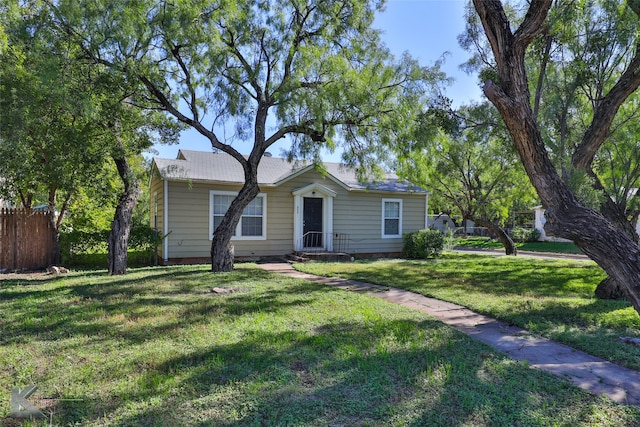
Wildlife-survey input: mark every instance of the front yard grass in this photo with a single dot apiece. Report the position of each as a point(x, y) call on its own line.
point(552, 298)
point(543, 247)
point(158, 347)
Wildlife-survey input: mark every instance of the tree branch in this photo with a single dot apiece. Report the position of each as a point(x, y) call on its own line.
point(533, 23)
point(168, 106)
point(175, 51)
point(604, 114)
point(230, 43)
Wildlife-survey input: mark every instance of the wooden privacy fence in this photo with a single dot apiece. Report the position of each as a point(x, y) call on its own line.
point(26, 239)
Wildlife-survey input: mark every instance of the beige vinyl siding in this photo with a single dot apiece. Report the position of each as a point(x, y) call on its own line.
point(360, 216)
point(279, 225)
point(188, 220)
point(189, 210)
point(355, 213)
point(359, 213)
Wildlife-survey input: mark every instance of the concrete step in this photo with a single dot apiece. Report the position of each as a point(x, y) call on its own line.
point(326, 256)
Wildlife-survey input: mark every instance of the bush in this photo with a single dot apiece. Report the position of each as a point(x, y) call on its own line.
point(89, 249)
point(523, 235)
point(423, 244)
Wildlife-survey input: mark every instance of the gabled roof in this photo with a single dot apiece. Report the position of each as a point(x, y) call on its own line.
point(203, 166)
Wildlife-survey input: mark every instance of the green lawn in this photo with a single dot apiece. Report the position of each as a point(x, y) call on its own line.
point(545, 247)
point(553, 298)
point(159, 348)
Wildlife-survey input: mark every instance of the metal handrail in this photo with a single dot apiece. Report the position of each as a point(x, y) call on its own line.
point(318, 241)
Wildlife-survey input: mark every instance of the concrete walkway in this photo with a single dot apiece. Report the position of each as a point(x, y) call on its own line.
point(595, 375)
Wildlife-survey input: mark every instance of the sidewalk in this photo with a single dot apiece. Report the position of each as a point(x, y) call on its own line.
point(595, 375)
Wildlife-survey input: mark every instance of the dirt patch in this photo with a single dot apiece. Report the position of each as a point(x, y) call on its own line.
point(28, 275)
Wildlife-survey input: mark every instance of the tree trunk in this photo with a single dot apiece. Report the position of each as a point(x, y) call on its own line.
point(222, 250)
point(507, 242)
point(610, 289)
point(121, 226)
point(55, 239)
point(222, 253)
point(55, 225)
point(566, 217)
point(610, 247)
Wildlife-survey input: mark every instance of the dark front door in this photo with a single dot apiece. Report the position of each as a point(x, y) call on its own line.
point(312, 222)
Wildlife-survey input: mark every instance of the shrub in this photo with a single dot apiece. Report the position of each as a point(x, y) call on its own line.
point(422, 244)
point(522, 235)
point(89, 249)
point(535, 235)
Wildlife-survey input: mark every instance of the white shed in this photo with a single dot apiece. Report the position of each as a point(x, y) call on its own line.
point(540, 220)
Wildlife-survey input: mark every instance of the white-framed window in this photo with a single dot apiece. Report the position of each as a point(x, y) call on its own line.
point(252, 224)
point(391, 218)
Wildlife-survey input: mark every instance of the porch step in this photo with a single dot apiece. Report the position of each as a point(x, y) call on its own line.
point(325, 256)
point(295, 257)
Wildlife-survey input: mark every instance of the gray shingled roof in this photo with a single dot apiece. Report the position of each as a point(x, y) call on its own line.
point(220, 167)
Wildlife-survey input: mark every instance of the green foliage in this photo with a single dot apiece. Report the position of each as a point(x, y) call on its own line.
point(93, 208)
point(471, 170)
point(47, 128)
point(422, 244)
point(89, 248)
point(523, 235)
point(317, 70)
point(449, 240)
point(64, 119)
point(581, 186)
point(314, 72)
point(584, 52)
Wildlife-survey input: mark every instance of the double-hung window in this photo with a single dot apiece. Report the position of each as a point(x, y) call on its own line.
point(391, 218)
point(253, 222)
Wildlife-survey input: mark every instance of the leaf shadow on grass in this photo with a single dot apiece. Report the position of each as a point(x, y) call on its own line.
point(543, 296)
point(126, 309)
point(369, 371)
point(36, 288)
point(51, 313)
point(489, 275)
point(592, 327)
point(339, 375)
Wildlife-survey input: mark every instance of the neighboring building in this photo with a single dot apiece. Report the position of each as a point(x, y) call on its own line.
point(540, 220)
point(298, 208)
point(443, 222)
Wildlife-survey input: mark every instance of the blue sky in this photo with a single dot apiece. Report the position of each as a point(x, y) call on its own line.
point(424, 28)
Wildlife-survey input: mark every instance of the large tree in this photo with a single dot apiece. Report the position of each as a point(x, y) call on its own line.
point(64, 120)
point(46, 119)
point(596, 233)
point(581, 55)
point(310, 70)
point(469, 166)
point(127, 132)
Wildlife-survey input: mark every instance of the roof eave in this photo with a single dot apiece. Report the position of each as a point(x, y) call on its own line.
point(213, 181)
